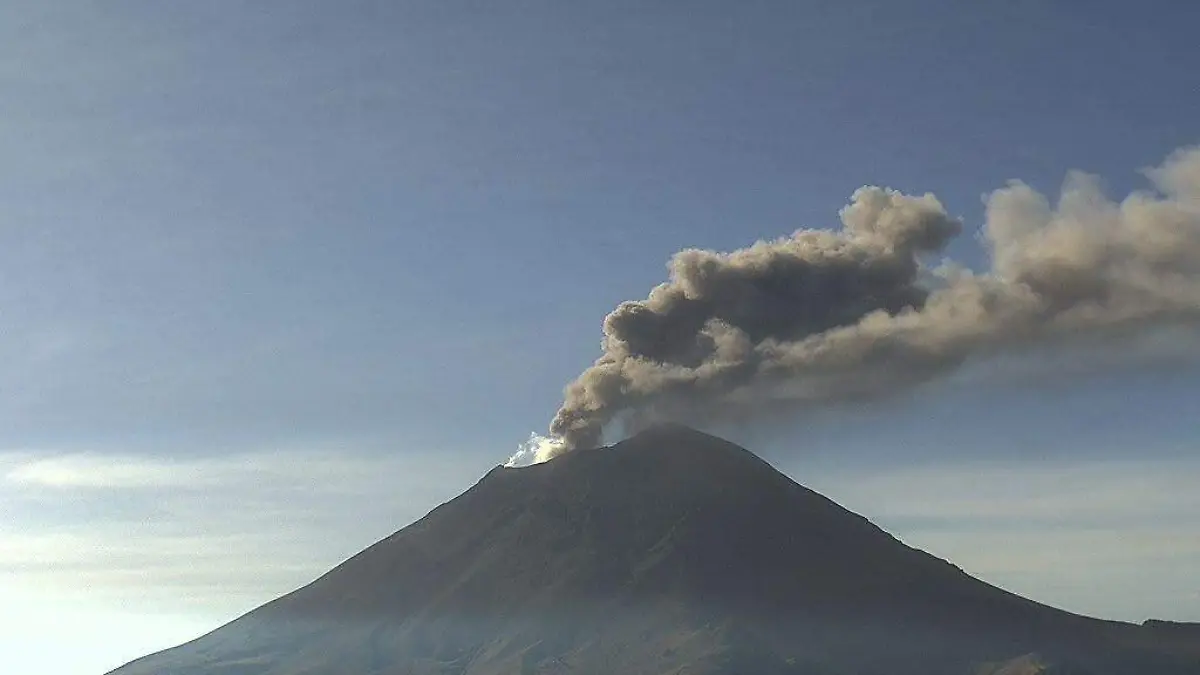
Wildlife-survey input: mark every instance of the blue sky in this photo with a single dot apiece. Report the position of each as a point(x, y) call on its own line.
point(277, 278)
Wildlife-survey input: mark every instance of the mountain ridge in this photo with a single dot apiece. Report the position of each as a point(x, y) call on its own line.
point(671, 549)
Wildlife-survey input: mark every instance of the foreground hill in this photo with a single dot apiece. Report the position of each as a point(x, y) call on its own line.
point(672, 552)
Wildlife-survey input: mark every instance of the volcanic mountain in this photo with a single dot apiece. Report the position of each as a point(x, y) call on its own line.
point(672, 552)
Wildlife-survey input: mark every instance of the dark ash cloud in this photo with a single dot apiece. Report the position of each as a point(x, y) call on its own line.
point(825, 316)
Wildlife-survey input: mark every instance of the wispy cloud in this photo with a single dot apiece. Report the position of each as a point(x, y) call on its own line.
point(95, 471)
point(1028, 491)
point(1117, 539)
point(336, 469)
point(215, 534)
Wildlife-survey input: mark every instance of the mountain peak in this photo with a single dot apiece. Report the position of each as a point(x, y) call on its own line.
point(669, 550)
point(676, 431)
point(660, 461)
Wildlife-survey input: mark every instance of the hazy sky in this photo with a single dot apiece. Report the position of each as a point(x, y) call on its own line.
point(278, 277)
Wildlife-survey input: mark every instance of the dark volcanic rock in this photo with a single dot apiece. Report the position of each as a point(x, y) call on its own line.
point(671, 552)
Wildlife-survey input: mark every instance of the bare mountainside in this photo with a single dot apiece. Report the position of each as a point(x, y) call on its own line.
point(671, 552)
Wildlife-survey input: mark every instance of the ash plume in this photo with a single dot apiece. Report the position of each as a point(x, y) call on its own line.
point(824, 316)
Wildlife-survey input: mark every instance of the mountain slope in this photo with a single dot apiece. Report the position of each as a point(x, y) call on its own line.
point(671, 552)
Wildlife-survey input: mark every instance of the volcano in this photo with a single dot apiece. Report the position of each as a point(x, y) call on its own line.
point(671, 552)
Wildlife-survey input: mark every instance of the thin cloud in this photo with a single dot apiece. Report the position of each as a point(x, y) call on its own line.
point(218, 535)
point(1051, 531)
point(96, 471)
point(1094, 490)
point(122, 472)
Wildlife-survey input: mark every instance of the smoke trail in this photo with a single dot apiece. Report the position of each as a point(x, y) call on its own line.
point(824, 316)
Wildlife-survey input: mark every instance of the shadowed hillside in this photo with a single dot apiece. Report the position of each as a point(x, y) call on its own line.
point(671, 552)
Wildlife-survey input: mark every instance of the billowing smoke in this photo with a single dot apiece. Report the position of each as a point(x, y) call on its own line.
point(826, 316)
